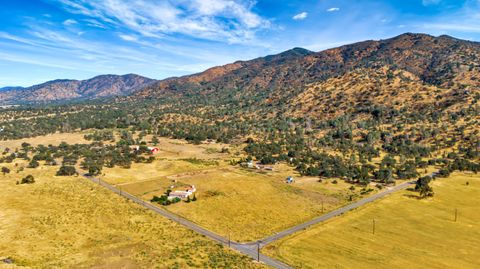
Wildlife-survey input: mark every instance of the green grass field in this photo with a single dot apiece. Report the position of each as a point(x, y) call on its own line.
point(409, 233)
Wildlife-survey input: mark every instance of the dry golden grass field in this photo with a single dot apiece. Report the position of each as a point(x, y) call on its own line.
point(242, 203)
point(53, 139)
point(247, 206)
point(180, 149)
point(69, 222)
point(409, 233)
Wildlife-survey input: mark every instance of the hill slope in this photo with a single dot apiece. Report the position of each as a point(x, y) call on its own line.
point(417, 69)
point(56, 90)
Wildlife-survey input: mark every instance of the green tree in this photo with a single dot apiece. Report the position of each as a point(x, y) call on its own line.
point(33, 164)
point(5, 170)
point(385, 175)
point(155, 140)
point(423, 187)
point(66, 170)
point(94, 170)
point(28, 180)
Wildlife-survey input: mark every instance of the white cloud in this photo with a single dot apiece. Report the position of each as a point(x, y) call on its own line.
point(69, 51)
point(220, 20)
point(28, 60)
point(430, 2)
point(456, 27)
point(464, 21)
point(300, 16)
point(70, 22)
point(333, 9)
point(128, 37)
point(7, 36)
point(94, 23)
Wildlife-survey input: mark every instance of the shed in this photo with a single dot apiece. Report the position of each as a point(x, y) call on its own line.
point(153, 150)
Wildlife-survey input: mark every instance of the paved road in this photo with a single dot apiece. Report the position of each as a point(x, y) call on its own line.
point(251, 248)
point(247, 249)
point(334, 213)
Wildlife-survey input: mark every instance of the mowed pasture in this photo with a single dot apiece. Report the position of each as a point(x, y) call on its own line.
point(245, 204)
point(69, 222)
point(409, 233)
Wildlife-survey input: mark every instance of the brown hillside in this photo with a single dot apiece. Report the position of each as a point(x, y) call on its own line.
point(408, 71)
point(61, 90)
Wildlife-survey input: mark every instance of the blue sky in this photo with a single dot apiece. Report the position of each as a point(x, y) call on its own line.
point(41, 40)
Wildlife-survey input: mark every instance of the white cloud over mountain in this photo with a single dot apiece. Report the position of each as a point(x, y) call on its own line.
point(230, 20)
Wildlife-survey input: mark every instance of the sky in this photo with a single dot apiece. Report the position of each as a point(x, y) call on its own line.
point(42, 40)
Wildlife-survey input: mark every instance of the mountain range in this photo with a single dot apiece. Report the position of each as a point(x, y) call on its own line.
point(408, 70)
point(10, 88)
point(65, 90)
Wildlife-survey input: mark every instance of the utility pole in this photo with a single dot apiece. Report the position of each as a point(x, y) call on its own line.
point(258, 251)
point(228, 237)
point(322, 205)
point(456, 213)
point(373, 226)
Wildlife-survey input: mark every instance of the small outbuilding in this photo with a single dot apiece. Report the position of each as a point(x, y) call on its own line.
point(290, 180)
point(153, 150)
point(135, 147)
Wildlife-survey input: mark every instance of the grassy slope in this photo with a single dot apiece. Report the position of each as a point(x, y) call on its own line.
point(69, 222)
point(410, 233)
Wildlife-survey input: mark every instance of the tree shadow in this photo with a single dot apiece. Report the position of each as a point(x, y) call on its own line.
point(412, 196)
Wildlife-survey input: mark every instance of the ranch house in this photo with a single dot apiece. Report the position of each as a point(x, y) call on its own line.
point(182, 194)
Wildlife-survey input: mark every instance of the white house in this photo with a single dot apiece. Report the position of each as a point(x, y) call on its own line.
point(153, 150)
point(182, 194)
